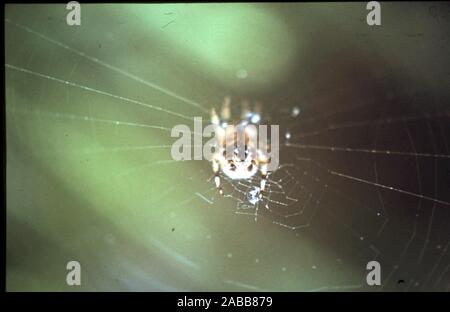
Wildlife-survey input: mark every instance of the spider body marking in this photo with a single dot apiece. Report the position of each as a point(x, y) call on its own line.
point(238, 156)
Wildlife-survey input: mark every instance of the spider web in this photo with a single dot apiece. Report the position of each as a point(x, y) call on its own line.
point(363, 177)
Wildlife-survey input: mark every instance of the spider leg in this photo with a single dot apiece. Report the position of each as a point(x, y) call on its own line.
point(225, 114)
point(245, 109)
point(257, 108)
point(263, 182)
point(214, 117)
point(215, 167)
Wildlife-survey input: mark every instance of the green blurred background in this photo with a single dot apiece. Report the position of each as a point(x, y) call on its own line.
point(85, 184)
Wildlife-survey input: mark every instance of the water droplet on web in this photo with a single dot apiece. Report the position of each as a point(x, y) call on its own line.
point(241, 74)
point(287, 135)
point(295, 111)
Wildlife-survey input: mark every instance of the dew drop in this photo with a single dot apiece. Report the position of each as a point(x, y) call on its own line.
point(295, 111)
point(241, 74)
point(287, 135)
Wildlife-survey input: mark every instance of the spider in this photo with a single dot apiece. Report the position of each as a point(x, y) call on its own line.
point(234, 159)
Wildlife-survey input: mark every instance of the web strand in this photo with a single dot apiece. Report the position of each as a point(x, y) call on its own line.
point(108, 66)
